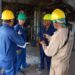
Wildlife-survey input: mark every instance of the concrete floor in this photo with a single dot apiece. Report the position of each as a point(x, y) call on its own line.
point(34, 61)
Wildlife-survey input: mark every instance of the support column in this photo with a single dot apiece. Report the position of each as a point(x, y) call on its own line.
point(36, 21)
point(35, 24)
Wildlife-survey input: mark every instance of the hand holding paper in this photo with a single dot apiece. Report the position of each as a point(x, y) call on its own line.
point(24, 46)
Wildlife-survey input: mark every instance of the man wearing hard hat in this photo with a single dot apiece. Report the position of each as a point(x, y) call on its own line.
point(60, 45)
point(21, 52)
point(9, 40)
point(46, 28)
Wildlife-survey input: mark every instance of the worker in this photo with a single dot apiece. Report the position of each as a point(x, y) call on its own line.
point(9, 40)
point(21, 52)
point(60, 45)
point(46, 28)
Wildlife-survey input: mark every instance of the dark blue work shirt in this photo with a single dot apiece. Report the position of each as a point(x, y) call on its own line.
point(21, 31)
point(43, 31)
point(9, 40)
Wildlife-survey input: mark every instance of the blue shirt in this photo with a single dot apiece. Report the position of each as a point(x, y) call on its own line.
point(8, 43)
point(43, 31)
point(21, 30)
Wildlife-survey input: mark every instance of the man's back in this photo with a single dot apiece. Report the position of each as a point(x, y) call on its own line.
point(6, 44)
point(63, 53)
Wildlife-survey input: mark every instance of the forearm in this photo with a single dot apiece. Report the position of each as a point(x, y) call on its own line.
point(46, 50)
point(52, 48)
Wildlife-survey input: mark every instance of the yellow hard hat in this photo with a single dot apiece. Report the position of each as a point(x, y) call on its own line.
point(7, 15)
point(57, 14)
point(47, 17)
